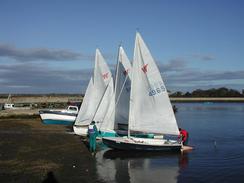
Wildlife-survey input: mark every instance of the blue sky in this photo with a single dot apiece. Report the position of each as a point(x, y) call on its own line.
point(48, 46)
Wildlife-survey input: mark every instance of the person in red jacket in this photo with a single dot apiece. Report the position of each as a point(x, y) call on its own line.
point(184, 135)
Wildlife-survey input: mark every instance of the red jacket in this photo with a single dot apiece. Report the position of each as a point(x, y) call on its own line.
point(183, 135)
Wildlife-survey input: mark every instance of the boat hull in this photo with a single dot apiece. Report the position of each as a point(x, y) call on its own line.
point(102, 134)
point(57, 118)
point(57, 122)
point(140, 144)
point(83, 131)
point(123, 133)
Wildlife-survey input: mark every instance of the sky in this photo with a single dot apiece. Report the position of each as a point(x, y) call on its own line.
point(48, 46)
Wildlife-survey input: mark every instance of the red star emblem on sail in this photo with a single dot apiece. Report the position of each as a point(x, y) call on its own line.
point(105, 75)
point(144, 68)
point(126, 72)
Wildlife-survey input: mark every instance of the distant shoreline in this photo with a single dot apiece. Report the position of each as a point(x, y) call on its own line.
point(61, 102)
point(207, 99)
point(67, 98)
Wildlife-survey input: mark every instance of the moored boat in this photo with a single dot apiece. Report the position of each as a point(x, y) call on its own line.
point(150, 108)
point(59, 117)
point(9, 104)
point(97, 97)
point(141, 144)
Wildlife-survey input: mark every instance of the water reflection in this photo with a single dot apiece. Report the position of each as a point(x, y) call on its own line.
point(216, 131)
point(183, 161)
point(133, 167)
point(105, 168)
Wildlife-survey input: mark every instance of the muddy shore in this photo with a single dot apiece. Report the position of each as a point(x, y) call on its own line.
point(33, 152)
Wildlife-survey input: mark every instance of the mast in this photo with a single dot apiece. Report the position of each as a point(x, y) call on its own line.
point(116, 72)
point(8, 99)
point(131, 90)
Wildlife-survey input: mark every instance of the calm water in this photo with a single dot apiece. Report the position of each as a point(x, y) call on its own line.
point(217, 132)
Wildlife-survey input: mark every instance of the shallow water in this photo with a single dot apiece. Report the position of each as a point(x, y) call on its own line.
point(217, 133)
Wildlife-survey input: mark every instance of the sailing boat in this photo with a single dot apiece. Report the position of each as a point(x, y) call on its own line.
point(99, 83)
point(59, 117)
point(150, 107)
point(118, 111)
point(9, 104)
point(122, 96)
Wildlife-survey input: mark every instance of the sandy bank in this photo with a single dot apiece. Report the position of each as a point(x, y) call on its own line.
point(19, 113)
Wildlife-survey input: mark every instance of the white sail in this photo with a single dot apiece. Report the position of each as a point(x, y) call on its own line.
point(87, 107)
point(122, 88)
point(118, 100)
point(104, 116)
point(95, 91)
point(102, 73)
point(150, 107)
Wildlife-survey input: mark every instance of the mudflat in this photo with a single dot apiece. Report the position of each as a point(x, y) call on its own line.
point(33, 152)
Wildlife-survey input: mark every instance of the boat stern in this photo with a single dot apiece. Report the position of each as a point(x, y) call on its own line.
point(80, 130)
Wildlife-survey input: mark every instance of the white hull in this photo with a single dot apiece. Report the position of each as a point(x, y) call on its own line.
point(9, 106)
point(61, 117)
point(145, 144)
point(81, 130)
point(57, 117)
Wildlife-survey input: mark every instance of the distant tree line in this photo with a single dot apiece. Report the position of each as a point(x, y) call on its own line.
point(219, 92)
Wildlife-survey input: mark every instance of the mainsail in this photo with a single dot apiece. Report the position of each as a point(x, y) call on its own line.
point(122, 88)
point(95, 91)
point(118, 111)
point(104, 116)
point(150, 107)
